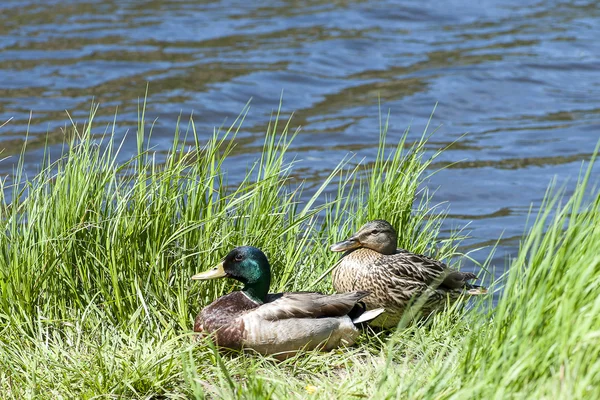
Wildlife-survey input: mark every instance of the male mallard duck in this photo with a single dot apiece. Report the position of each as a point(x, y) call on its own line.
point(396, 277)
point(282, 323)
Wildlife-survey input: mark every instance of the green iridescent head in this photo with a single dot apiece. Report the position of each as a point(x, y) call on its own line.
point(248, 265)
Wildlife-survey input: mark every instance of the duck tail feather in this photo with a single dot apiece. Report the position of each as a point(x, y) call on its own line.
point(368, 316)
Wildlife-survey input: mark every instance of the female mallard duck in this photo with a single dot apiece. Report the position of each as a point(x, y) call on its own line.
point(395, 277)
point(282, 323)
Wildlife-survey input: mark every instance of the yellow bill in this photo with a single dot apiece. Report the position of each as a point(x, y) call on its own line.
point(216, 272)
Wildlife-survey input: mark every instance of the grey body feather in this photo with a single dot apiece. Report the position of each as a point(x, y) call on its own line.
point(282, 325)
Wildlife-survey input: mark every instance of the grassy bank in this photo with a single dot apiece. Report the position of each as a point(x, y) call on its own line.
point(96, 300)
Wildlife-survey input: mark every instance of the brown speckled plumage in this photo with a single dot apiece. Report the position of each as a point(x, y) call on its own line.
point(221, 317)
point(395, 277)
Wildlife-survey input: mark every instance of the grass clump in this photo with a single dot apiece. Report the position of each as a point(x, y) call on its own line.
point(96, 255)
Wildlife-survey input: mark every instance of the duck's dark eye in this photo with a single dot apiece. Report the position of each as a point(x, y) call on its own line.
point(374, 232)
point(239, 257)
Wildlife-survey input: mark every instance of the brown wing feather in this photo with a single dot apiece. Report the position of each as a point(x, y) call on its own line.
point(308, 305)
point(429, 270)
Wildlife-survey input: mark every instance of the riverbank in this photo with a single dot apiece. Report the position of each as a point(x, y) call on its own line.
point(96, 299)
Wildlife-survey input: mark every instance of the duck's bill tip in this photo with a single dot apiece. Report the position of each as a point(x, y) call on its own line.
point(214, 273)
point(345, 245)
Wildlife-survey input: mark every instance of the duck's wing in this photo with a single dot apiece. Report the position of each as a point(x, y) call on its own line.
point(307, 305)
point(429, 270)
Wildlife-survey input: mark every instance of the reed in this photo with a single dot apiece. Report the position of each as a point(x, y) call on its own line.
point(96, 256)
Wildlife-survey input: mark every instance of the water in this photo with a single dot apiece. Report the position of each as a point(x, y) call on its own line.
point(521, 78)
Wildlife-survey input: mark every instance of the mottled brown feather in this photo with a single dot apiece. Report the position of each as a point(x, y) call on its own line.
point(221, 318)
point(398, 280)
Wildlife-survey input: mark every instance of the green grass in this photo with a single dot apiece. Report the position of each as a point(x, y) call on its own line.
point(96, 300)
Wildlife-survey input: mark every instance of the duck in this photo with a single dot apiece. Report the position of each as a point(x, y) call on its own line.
point(277, 324)
point(397, 278)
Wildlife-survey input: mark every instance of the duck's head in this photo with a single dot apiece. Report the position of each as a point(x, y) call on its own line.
point(246, 264)
point(376, 235)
